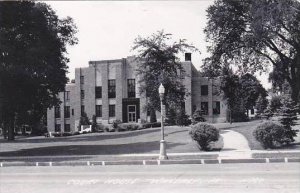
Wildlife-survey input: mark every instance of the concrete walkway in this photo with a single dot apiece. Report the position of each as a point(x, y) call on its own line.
point(235, 146)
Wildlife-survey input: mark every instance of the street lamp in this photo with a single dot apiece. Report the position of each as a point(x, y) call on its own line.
point(162, 153)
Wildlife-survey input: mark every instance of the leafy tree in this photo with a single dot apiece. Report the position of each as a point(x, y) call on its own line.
point(33, 61)
point(275, 103)
point(159, 63)
point(261, 104)
point(84, 120)
point(288, 113)
point(252, 34)
point(251, 90)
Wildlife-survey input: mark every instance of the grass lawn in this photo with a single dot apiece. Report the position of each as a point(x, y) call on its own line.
point(247, 128)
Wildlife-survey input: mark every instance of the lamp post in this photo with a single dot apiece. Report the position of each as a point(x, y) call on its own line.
point(162, 153)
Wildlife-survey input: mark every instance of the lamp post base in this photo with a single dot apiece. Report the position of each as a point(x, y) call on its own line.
point(163, 153)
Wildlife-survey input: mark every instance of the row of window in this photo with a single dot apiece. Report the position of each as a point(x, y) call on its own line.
point(111, 111)
point(111, 90)
point(58, 128)
point(66, 112)
point(204, 108)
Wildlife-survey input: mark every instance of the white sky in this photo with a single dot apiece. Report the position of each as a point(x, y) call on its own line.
point(107, 29)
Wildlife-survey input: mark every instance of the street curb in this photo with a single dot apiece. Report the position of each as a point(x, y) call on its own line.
point(150, 162)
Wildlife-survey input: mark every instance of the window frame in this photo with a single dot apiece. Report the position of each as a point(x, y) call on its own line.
point(202, 90)
point(111, 83)
point(131, 88)
point(67, 113)
point(98, 92)
point(112, 110)
point(98, 110)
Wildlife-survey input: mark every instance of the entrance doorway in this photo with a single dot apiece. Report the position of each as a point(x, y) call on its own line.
point(131, 109)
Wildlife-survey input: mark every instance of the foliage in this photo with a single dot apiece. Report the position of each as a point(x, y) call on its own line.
point(183, 119)
point(261, 105)
point(288, 113)
point(269, 134)
point(197, 117)
point(116, 123)
point(251, 90)
point(129, 127)
point(33, 61)
point(152, 125)
point(159, 63)
point(275, 103)
point(178, 117)
point(84, 120)
point(203, 134)
point(252, 34)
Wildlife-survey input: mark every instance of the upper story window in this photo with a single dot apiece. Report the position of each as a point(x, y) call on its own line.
point(98, 92)
point(67, 111)
point(82, 94)
point(204, 90)
point(57, 112)
point(81, 79)
point(111, 88)
point(131, 88)
point(216, 107)
point(67, 95)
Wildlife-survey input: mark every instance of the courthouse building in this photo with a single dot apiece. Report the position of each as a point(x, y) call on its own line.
point(109, 89)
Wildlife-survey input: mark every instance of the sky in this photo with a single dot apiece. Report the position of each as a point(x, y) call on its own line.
point(107, 29)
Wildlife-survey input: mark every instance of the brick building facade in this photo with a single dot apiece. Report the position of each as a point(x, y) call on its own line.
point(109, 89)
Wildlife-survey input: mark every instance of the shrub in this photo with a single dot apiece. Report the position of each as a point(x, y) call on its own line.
point(203, 134)
point(116, 123)
point(269, 134)
point(197, 117)
point(129, 127)
point(99, 128)
point(150, 125)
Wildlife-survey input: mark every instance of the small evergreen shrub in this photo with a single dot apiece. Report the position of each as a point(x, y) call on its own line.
point(129, 127)
point(197, 117)
point(150, 125)
point(116, 123)
point(269, 134)
point(203, 134)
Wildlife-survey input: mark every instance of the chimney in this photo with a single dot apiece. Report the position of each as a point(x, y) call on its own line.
point(188, 57)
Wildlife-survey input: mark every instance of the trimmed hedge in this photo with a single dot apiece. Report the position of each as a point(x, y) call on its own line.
point(203, 134)
point(269, 134)
point(129, 127)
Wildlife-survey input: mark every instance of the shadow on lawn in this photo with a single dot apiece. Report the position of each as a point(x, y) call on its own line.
point(87, 137)
point(141, 147)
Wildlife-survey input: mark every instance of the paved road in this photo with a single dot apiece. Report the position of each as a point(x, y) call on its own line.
point(233, 178)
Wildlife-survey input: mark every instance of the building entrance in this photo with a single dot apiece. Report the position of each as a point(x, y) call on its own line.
point(131, 113)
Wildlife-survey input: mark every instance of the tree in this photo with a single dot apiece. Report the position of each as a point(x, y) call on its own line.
point(276, 103)
point(261, 105)
point(288, 113)
point(84, 120)
point(159, 63)
point(252, 34)
point(33, 61)
point(251, 90)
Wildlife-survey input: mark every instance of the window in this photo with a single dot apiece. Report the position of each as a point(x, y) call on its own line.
point(112, 112)
point(67, 112)
point(148, 112)
point(81, 79)
point(98, 110)
point(57, 128)
point(82, 110)
point(252, 111)
point(204, 108)
point(67, 128)
point(82, 94)
point(131, 88)
point(57, 112)
point(72, 112)
point(111, 88)
point(67, 95)
point(204, 90)
point(216, 107)
point(98, 92)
